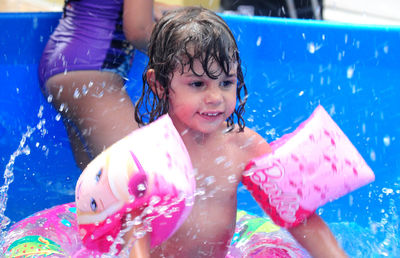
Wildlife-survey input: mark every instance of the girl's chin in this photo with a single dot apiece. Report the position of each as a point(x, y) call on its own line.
point(199, 124)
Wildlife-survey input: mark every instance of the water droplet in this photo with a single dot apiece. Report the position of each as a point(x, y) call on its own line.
point(312, 47)
point(209, 180)
point(141, 187)
point(60, 90)
point(137, 221)
point(386, 140)
point(85, 90)
point(232, 179)
point(259, 39)
point(140, 233)
point(61, 108)
point(271, 132)
point(353, 89)
point(220, 159)
point(77, 94)
point(189, 201)
point(168, 215)
point(228, 164)
point(351, 200)
point(40, 113)
point(200, 191)
point(372, 155)
point(99, 94)
point(350, 72)
point(386, 49)
point(154, 200)
point(387, 191)
point(35, 23)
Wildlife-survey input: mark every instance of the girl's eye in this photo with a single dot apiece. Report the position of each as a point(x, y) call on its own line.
point(226, 84)
point(197, 84)
point(98, 175)
point(93, 204)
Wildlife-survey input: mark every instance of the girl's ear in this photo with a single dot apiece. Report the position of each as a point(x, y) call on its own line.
point(155, 86)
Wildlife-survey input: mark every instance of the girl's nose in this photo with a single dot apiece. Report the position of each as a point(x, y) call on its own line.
point(214, 97)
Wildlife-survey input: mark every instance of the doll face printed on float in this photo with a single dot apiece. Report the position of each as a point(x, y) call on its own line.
point(200, 103)
point(93, 193)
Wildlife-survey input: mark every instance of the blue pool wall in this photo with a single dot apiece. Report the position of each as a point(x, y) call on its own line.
point(290, 67)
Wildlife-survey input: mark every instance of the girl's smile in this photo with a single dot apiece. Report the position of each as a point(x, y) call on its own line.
point(211, 116)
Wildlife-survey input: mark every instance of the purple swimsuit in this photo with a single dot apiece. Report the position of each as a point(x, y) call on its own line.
point(88, 37)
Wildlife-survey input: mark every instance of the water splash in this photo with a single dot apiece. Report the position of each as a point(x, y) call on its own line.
point(379, 240)
point(22, 149)
point(9, 176)
point(140, 225)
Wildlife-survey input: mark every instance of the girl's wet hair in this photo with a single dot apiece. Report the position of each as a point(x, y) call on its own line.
point(179, 39)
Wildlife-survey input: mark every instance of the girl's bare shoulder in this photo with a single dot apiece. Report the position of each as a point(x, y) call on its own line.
point(250, 142)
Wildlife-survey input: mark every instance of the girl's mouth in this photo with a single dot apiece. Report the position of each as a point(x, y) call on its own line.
point(210, 115)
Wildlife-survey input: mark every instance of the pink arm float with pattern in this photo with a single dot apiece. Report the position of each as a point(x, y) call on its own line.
point(315, 164)
point(147, 173)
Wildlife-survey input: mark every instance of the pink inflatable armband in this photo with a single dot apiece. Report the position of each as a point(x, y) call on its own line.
point(315, 164)
point(147, 173)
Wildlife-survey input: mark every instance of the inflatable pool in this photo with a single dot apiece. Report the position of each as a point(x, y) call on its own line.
point(290, 67)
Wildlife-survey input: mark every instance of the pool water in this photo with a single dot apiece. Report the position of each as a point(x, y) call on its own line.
point(290, 68)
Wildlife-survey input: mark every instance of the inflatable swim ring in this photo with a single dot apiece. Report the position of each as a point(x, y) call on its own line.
point(54, 233)
point(315, 164)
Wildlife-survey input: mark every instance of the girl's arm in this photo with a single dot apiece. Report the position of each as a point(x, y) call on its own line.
point(138, 22)
point(141, 248)
point(315, 236)
point(161, 8)
point(139, 18)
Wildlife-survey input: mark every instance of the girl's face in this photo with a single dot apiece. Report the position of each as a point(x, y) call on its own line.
point(200, 103)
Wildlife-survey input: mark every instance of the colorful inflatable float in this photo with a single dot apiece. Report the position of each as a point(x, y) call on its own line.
point(54, 233)
point(307, 168)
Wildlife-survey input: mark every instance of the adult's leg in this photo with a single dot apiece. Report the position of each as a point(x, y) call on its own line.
point(96, 109)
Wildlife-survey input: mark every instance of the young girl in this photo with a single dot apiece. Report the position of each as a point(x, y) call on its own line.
point(194, 74)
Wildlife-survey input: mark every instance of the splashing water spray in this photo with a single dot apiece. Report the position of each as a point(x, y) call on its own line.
point(23, 149)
